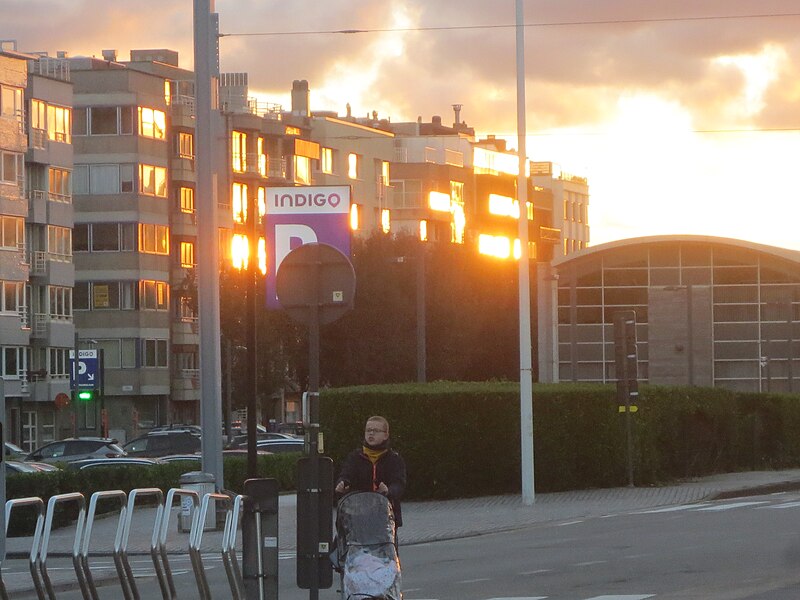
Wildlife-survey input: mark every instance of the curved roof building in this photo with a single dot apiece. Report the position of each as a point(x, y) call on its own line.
point(709, 311)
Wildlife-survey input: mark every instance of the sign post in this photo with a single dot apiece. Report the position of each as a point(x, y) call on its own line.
point(316, 285)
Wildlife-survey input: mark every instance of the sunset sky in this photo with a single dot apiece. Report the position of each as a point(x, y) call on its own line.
point(684, 115)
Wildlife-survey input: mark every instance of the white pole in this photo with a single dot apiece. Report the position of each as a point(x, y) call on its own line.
point(525, 376)
point(205, 63)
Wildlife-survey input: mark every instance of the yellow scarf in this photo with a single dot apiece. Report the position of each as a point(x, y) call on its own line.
point(373, 455)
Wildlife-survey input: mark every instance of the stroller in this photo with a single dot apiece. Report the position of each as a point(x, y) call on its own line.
point(366, 550)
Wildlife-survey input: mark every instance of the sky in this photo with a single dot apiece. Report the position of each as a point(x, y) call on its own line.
point(683, 115)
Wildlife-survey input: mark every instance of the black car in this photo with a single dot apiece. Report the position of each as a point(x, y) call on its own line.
point(72, 449)
point(164, 442)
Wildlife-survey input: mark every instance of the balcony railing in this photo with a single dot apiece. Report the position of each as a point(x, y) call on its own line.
point(39, 263)
point(39, 138)
point(40, 322)
point(24, 318)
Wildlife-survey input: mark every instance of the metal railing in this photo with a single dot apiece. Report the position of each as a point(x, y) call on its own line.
point(43, 584)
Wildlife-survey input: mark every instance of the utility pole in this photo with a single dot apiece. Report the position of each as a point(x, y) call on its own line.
point(525, 374)
point(206, 67)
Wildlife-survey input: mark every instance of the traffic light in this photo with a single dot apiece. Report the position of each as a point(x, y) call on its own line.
point(85, 395)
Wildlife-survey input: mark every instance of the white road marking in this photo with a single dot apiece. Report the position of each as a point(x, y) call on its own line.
point(536, 572)
point(569, 523)
point(730, 506)
point(589, 563)
point(784, 505)
point(623, 597)
point(479, 579)
point(519, 598)
point(672, 509)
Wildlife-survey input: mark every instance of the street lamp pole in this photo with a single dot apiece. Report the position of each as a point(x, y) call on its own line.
point(421, 316)
point(525, 374)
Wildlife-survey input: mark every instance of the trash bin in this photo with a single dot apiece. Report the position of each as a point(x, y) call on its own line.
point(202, 483)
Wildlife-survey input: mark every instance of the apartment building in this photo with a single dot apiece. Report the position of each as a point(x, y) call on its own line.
point(36, 269)
point(570, 204)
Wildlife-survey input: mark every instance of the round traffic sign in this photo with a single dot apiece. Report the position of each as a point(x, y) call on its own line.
point(62, 400)
point(316, 280)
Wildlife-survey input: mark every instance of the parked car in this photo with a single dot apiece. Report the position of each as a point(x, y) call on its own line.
point(297, 428)
point(120, 461)
point(177, 427)
point(72, 449)
point(164, 442)
point(17, 466)
point(14, 452)
point(240, 441)
point(276, 446)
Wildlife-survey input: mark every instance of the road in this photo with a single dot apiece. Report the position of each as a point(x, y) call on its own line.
point(746, 548)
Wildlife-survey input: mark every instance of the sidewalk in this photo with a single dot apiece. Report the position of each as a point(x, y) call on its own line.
point(431, 521)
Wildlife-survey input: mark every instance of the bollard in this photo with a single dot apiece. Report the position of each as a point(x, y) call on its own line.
point(260, 539)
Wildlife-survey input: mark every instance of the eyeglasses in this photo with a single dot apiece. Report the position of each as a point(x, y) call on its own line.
point(369, 430)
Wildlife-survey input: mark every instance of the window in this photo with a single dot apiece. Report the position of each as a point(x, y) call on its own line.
point(153, 239)
point(11, 296)
point(154, 353)
point(15, 362)
point(58, 127)
point(152, 123)
point(59, 241)
point(60, 189)
point(153, 295)
point(11, 170)
point(109, 295)
point(187, 254)
point(80, 296)
point(239, 151)
point(105, 120)
point(59, 302)
point(386, 220)
point(11, 103)
point(406, 193)
point(102, 179)
point(58, 362)
point(186, 199)
point(30, 440)
point(185, 309)
point(80, 123)
point(105, 237)
point(262, 158)
point(262, 204)
point(302, 170)
point(353, 166)
point(326, 161)
point(153, 180)
point(39, 116)
point(239, 203)
point(185, 145)
point(12, 232)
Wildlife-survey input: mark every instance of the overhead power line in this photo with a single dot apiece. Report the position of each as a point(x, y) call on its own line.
point(510, 26)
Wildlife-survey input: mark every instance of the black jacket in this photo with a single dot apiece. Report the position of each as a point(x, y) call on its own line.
point(357, 470)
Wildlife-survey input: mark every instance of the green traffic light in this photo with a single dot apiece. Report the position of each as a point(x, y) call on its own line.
point(86, 395)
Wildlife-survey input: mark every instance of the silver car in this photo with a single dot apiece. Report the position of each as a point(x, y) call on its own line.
point(72, 449)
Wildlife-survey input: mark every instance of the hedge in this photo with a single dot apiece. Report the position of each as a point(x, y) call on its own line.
point(462, 439)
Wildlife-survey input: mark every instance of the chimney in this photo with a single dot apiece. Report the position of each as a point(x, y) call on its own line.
point(457, 111)
point(349, 110)
point(436, 120)
point(110, 55)
point(300, 97)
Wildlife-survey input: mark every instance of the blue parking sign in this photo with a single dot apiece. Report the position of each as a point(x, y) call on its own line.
point(88, 366)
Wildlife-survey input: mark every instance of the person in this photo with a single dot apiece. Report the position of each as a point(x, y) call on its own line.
point(375, 467)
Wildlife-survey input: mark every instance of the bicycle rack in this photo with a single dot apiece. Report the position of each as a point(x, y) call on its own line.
point(195, 499)
point(37, 536)
point(48, 526)
point(229, 559)
point(155, 546)
point(119, 560)
point(196, 538)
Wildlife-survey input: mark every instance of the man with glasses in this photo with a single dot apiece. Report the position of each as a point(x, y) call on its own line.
point(375, 467)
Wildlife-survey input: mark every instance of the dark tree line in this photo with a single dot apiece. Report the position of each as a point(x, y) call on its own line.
point(471, 321)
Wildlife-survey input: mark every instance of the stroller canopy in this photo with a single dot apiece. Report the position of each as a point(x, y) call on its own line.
point(365, 518)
